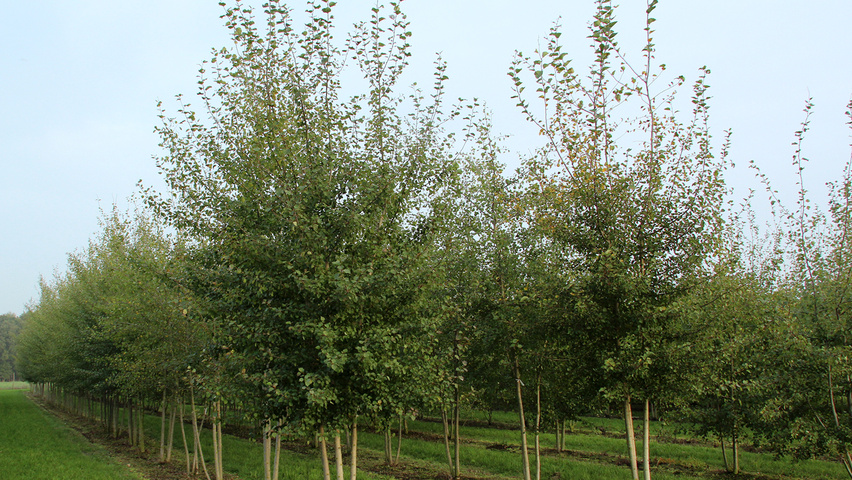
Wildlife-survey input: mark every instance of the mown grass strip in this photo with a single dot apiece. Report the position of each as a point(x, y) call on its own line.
point(37, 446)
point(14, 385)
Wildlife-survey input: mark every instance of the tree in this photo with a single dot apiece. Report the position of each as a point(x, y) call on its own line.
point(312, 217)
point(739, 335)
point(637, 224)
point(10, 327)
point(815, 417)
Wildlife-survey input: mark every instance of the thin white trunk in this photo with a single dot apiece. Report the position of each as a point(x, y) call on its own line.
point(277, 462)
point(457, 433)
point(735, 449)
point(326, 474)
point(538, 427)
point(267, 451)
point(183, 435)
point(199, 452)
point(646, 441)
point(631, 437)
point(399, 440)
point(338, 456)
point(524, 447)
point(171, 430)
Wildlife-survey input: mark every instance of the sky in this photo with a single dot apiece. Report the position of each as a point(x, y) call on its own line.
point(80, 82)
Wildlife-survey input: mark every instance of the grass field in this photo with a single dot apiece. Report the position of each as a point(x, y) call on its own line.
point(14, 385)
point(493, 453)
point(595, 452)
point(37, 446)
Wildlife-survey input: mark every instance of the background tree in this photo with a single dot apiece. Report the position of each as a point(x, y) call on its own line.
point(638, 223)
point(10, 327)
point(815, 416)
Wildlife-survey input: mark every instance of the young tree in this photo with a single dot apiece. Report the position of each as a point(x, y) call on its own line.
point(312, 216)
point(816, 415)
point(10, 328)
point(638, 224)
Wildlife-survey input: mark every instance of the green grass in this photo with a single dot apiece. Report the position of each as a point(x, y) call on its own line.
point(600, 454)
point(14, 385)
point(243, 457)
point(494, 453)
point(36, 446)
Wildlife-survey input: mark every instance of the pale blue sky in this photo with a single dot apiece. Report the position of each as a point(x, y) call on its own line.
point(79, 82)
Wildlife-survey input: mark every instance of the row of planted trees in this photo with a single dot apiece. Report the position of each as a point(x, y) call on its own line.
point(320, 261)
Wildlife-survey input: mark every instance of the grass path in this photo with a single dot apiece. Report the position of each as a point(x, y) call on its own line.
point(35, 446)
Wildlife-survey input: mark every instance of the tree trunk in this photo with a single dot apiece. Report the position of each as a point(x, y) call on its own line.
point(171, 430)
point(524, 447)
point(446, 423)
point(197, 441)
point(163, 430)
point(183, 435)
point(326, 474)
point(267, 451)
point(646, 441)
point(353, 473)
point(538, 426)
point(724, 453)
point(277, 463)
point(399, 440)
point(130, 429)
point(457, 433)
point(338, 456)
point(735, 449)
point(140, 417)
point(631, 437)
point(388, 448)
point(558, 433)
point(216, 427)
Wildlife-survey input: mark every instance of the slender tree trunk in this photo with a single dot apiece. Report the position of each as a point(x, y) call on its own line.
point(267, 451)
point(388, 447)
point(216, 427)
point(326, 474)
point(538, 426)
point(113, 418)
point(183, 435)
point(141, 430)
point(446, 423)
point(646, 441)
point(399, 440)
point(524, 447)
point(338, 456)
point(735, 449)
point(558, 432)
point(724, 453)
point(130, 428)
point(277, 463)
point(457, 433)
point(197, 442)
point(353, 473)
point(171, 430)
point(631, 437)
point(163, 429)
